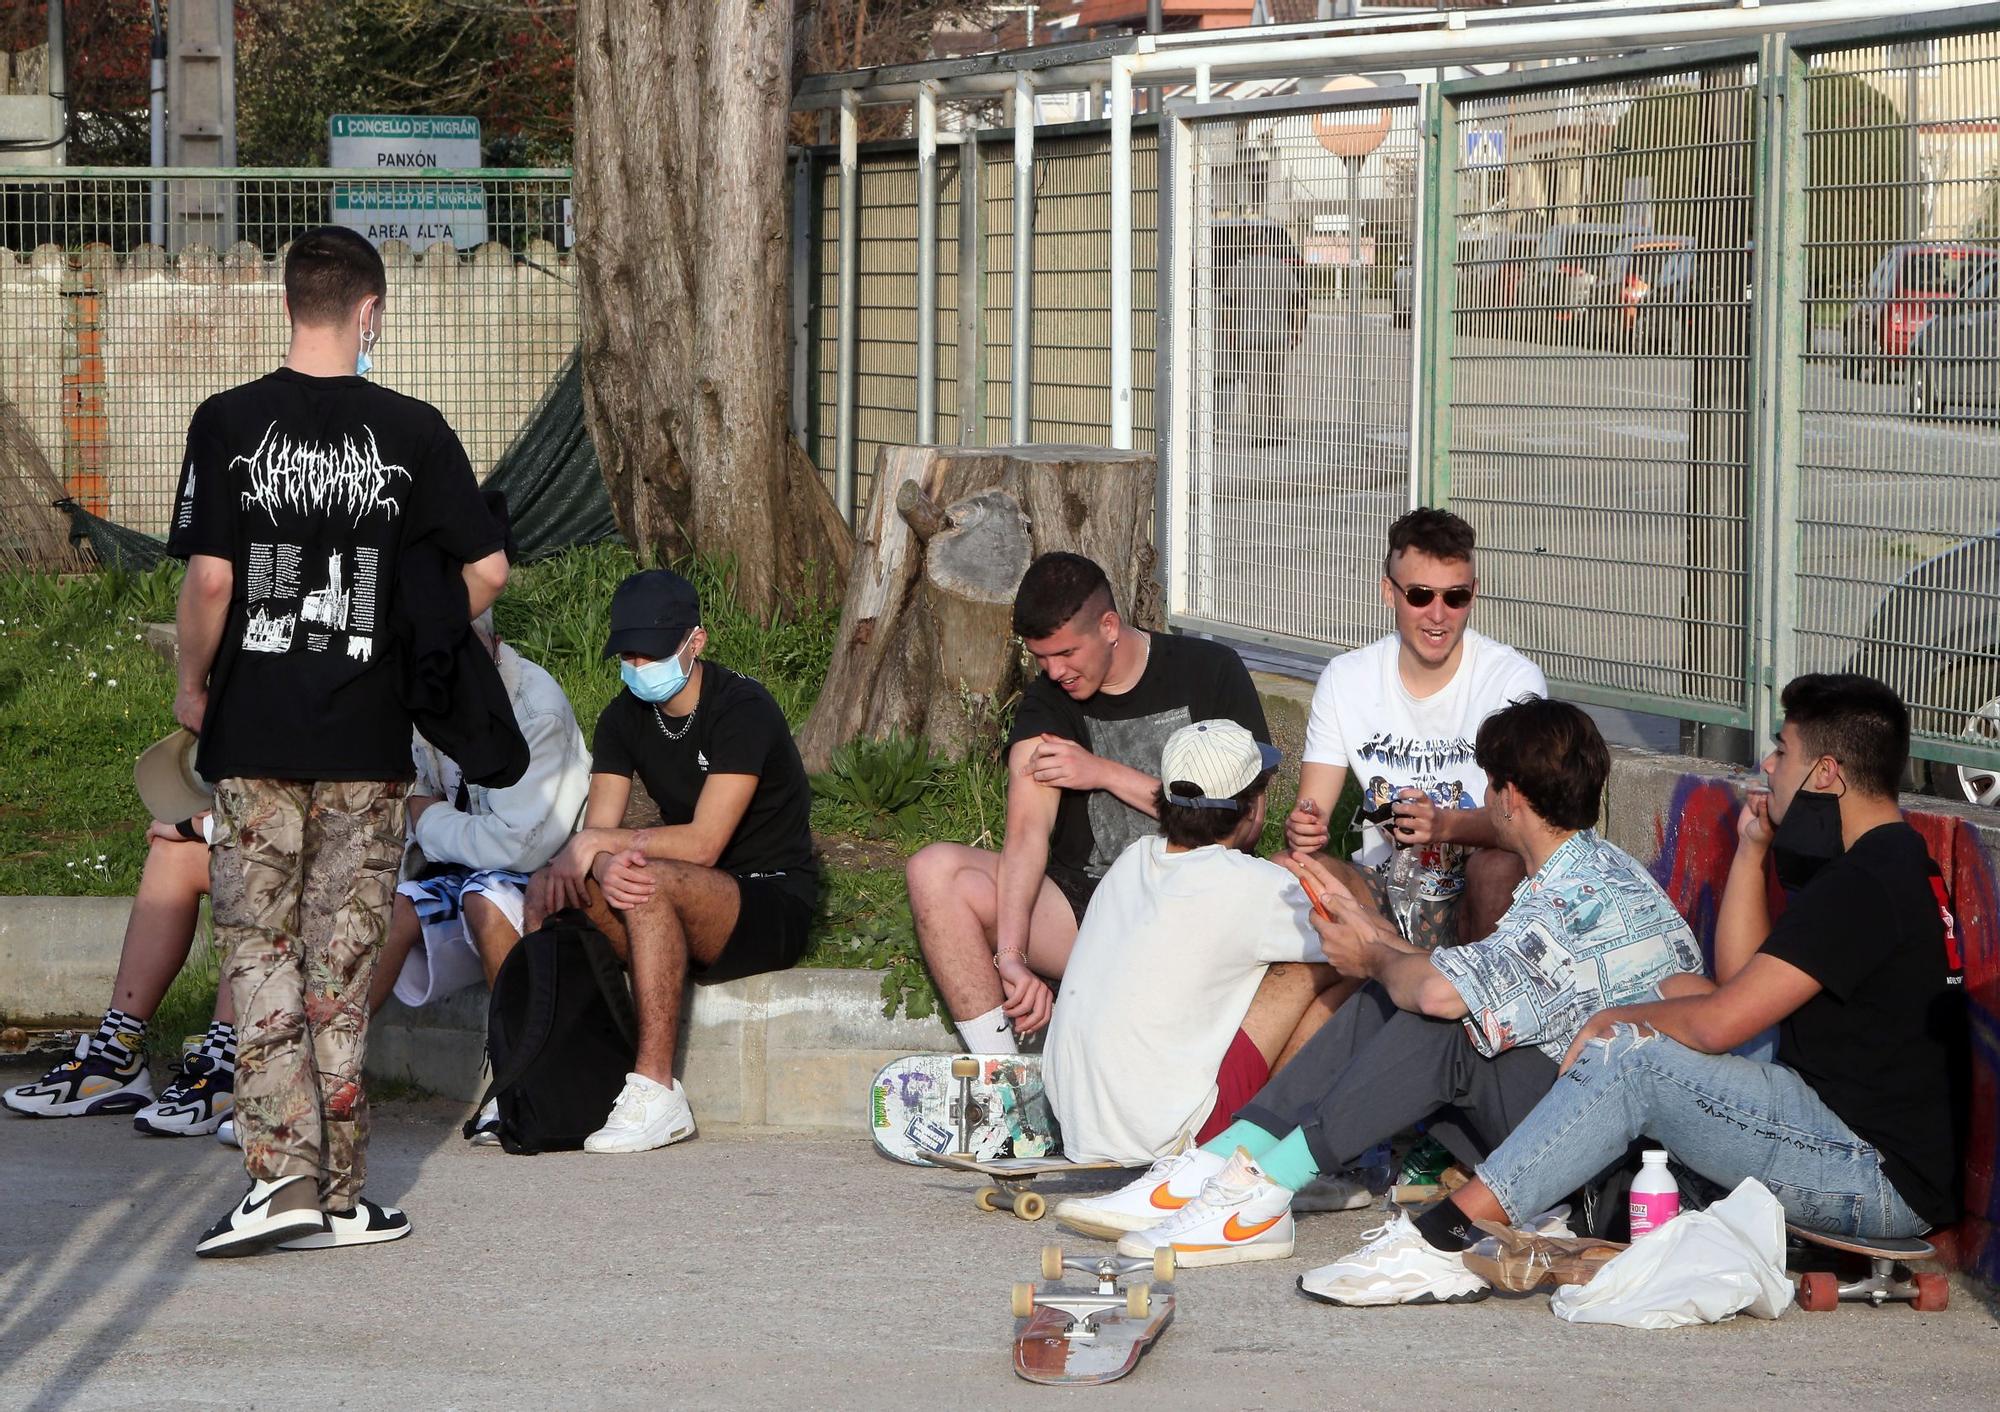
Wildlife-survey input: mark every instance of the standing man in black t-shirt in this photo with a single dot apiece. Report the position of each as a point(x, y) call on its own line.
point(1083, 765)
point(1858, 1128)
point(300, 495)
point(725, 884)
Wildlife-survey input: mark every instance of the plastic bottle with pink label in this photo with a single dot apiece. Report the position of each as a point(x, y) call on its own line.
point(1655, 1198)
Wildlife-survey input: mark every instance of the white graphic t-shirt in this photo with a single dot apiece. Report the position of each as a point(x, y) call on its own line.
point(1364, 719)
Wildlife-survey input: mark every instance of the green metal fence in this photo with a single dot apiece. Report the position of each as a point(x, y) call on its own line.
point(1705, 343)
point(126, 297)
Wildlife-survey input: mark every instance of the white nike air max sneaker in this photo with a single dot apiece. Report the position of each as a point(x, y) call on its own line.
point(648, 1114)
point(1240, 1215)
point(1167, 1186)
point(1396, 1266)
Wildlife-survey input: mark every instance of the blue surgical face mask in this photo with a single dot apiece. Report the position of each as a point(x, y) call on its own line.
point(362, 362)
point(656, 681)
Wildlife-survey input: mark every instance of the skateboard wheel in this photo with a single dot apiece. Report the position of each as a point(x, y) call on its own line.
point(965, 1068)
point(985, 1198)
point(1029, 1206)
point(1052, 1262)
point(1933, 1292)
point(1819, 1291)
point(1163, 1263)
point(1024, 1300)
point(1139, 1301)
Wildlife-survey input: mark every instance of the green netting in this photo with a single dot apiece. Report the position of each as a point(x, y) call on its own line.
point(554, 488)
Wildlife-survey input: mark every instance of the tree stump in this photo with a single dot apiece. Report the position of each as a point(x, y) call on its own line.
point(926, 642)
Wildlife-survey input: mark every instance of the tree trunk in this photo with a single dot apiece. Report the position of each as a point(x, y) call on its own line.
point(682, 262)
point(926, 641)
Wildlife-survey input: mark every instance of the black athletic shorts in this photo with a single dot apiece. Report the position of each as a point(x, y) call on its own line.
point(772, 921)
point(1074, 884)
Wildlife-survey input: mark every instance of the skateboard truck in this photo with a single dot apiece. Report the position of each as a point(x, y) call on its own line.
point(964, 1111)
point(1083, 1307)
point(1889, 1278)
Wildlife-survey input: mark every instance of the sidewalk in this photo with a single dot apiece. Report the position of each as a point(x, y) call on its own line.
point(764, 1270)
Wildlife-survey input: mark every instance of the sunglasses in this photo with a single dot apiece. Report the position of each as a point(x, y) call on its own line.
point(1419, 595)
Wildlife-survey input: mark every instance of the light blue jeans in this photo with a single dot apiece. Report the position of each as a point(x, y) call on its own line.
point(1725, 1116)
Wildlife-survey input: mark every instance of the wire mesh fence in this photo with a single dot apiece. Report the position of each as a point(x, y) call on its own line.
point(1599, 360)
point(1898, 379)
point(1296, 386)
point(120, 317)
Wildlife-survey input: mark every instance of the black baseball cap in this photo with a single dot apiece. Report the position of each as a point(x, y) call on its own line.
point(652, 613)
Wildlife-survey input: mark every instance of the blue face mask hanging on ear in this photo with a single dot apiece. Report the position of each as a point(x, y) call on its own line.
point(363, 364)
point(656, 681)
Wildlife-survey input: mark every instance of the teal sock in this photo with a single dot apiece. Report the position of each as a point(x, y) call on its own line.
point(1241, 1134)
point(1290, 1163)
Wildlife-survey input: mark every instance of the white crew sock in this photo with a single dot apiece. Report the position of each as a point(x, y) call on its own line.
point(988, 1034)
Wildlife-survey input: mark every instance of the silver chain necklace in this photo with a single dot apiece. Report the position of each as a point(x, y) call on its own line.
point(687, 723)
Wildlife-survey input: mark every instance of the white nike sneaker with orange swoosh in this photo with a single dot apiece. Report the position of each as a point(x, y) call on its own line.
point(1240, 1215)
point(1167, 1186)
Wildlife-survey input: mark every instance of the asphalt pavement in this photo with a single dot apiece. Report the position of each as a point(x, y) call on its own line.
point(767, 1270)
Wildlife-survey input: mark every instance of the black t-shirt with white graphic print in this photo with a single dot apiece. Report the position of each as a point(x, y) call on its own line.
point(736, 730)
point(312, 488)
point(1884, 1041)
point(1187, 679)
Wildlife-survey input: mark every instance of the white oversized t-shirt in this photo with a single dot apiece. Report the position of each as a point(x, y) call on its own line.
point(1364, 718)
point(1168, 957)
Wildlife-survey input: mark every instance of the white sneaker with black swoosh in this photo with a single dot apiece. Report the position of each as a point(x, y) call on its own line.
point(366, 1224)
point(252, 1225)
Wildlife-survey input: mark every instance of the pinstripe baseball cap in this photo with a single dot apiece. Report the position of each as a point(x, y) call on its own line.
point(1205, 765)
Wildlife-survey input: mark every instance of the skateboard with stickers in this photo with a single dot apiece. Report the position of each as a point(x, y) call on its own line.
point(1889, 1278)
point(1093, 1330)
point(985, 1106)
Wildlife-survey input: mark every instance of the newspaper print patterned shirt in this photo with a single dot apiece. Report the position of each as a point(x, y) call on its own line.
point(1590, 930)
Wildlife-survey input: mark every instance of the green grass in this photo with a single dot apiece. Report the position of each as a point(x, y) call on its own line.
point(81, 695)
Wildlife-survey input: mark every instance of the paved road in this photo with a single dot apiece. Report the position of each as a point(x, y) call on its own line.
point(1577, 465)
point(768, 1271)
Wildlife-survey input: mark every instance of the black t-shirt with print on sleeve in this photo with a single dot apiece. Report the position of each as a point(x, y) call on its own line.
point(1884, 1042)
point(1187, 679)
point(312, 488)
point(736, 730)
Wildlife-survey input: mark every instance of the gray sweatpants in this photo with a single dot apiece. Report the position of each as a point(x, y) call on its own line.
point(1373, 1070)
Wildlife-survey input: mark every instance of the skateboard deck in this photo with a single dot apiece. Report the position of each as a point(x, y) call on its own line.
point(1012, 1176)
point(1889, 1278)
point(918, 1108)
point(1092, 1330)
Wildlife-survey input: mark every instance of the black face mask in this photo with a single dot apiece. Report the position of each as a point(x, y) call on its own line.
point(1807, 838)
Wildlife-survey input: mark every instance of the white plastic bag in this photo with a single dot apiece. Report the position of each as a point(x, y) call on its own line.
point(1700, 1268)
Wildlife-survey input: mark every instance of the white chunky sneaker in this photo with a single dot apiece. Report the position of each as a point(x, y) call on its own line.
point(1240, 1215)
point(486, 1127)
point(1336, 1191)
point(1396, 1266)
point(225, 1133)
point(1167, 1186)
point(648, 1114)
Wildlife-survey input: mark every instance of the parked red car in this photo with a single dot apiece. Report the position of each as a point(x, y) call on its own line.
point(1902, 295)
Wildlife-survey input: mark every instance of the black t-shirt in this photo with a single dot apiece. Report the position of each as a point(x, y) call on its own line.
point(312, 488)
point(1884, 1042)
point(1187, 679)
point(736, 730)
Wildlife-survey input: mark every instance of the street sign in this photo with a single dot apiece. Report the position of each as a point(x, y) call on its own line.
point(1350, 132)
point(401, 147)
point(1485, 147)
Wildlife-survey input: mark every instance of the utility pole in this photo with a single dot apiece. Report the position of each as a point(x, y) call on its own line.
point(201, 120)
point(156, 104)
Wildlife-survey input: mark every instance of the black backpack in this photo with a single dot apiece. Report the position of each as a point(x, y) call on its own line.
point(561, 1034)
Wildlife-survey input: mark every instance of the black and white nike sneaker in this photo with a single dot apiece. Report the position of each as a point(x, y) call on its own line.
point(366, 1224)
point(100, 1079)
point(252, 1226)
point(195, 1103)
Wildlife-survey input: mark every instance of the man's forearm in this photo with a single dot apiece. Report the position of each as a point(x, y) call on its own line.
point(1743, 921)
point(1022, 866)
point(198, 622)
point(1133, 787)
point(1683, 1019)
point(1469, 828)
point(1414, 983)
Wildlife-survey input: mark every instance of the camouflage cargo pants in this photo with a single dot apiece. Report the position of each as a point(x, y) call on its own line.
point(303, 875)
